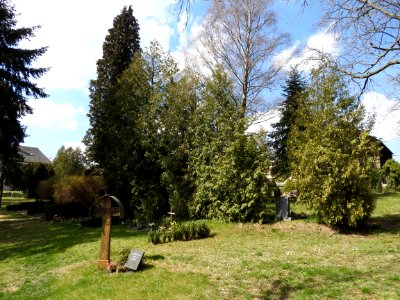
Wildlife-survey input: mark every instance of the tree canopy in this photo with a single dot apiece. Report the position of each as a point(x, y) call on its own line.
point(333, 159)
point(69, 162)
point(370, 34)
point(16, 74)
point(102, 140)
point(242, 37)
point(293, 92)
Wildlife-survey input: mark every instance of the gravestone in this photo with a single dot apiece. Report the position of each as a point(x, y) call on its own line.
point(134, 260)
point(283, 209)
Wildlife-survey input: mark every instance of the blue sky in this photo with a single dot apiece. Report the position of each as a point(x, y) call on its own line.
point(75, 30)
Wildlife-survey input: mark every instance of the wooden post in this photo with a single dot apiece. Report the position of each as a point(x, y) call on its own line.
point(104, 260)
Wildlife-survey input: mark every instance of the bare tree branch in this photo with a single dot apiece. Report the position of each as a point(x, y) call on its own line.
point(370, 33)
point(241, 36)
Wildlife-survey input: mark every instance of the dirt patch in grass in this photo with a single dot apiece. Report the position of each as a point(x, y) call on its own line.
point(71, 267)
point(304, 227)
point(12, 288)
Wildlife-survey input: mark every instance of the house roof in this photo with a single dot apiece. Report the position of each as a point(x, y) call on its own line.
point(381, 144)
point(33, 155)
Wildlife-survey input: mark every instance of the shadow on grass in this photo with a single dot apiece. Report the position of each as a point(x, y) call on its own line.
point(24, 237)
point(155, 257)
point(147, 265)
point(386, 195)
point(312, 282)
point(376, 225)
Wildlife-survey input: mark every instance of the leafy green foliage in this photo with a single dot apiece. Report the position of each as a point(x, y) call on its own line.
point(289, 186)
point(69, 162)
point(123, 256)
point(168, 132)
point(156, 104)
point(104, 138)
point(32, 175)
point(293, 92)
point(177, 140)
point(332, 156)
point(185, 231)
point(390, 172)
point(15, 86)
point(144, 92)
point(229, 167)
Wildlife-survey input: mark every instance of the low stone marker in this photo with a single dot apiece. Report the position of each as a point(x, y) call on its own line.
point(283, 209)
point(134, 260)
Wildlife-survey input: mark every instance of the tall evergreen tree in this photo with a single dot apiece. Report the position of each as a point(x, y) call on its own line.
point(15, 86)
point(293, 93)
point(228, 166)
point(332, 157)
point(156, 102)
point(119, 48)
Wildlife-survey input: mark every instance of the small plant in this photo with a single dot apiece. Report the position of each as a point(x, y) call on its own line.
point(119, 264)
point(174, 231)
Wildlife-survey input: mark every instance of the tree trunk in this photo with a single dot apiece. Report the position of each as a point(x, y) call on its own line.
point(1, 182)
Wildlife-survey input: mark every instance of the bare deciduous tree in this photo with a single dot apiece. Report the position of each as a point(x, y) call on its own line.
point(370, 35)
point(241, 36)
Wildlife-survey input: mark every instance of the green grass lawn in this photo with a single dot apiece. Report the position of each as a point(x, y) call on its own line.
point(13, 197)
point(299, 259)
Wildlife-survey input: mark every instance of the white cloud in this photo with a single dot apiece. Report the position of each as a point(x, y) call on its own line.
point(186, 53)
point(320, 43)
point(75, 30)
point(386, 119)
point(49, 115)
point(75, 145)
point(264, 121)
point(155, 30)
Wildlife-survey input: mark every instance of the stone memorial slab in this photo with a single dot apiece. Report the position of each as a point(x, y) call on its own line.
point(283, 209)
point(134, 260)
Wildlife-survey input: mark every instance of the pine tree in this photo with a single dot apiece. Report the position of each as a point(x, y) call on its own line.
point(119, 49)
point(293, 93)
point(15, 86)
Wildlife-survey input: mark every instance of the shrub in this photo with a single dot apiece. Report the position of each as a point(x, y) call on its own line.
point(32, 208)
point(390, 172)
point(32, 175)
point(78, 189)
point(45, 189)
point(184, 231)
point(122, 258)
point(231, 182)
point(332, 159)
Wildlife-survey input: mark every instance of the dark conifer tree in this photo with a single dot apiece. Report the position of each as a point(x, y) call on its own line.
point(293, 93)
point(15, 86)
point(103, 139)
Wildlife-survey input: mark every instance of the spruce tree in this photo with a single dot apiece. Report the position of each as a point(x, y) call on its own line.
point(16, 73)
point(293, 92)
point(102, 140)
